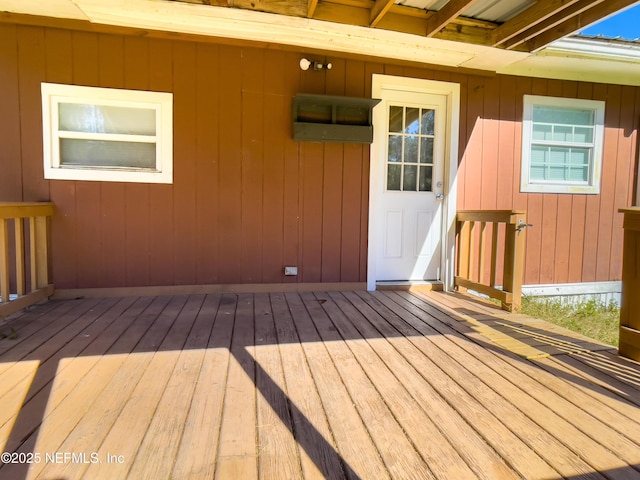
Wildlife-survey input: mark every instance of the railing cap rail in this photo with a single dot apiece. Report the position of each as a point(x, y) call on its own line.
point(25, 209)
point(632, 210)
point(506, 216)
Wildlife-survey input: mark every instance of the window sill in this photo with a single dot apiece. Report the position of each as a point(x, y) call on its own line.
point(557, 188)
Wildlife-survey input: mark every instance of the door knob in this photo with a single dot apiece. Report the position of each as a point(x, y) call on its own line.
point(440, 196)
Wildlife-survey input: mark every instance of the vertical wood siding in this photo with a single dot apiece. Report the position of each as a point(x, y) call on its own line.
point(248, 200)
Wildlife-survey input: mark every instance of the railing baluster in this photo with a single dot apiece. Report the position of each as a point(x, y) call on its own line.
point(483, 226)
point(4, 261)
point(33, 261)
point(18, 229)
point(494, 254)
point(42, 252)
point(463, 250)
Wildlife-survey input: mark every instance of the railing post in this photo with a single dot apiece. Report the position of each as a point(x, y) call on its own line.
point(630, 304)
point(514, 261)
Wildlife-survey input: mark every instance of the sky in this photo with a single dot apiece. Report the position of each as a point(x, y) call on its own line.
point(625, 25)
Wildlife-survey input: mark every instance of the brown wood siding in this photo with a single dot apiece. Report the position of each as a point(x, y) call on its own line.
point(248, 200)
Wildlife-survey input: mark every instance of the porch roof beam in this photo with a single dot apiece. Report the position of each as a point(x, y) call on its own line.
point(552, 22)
point(528, 19)
point(449, 12)
point(582, 20)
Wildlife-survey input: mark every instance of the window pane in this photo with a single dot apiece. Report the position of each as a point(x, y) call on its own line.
point(393, 177)
point(395, 148)
point(541, 132)
point(411, 149)
point(426, 150)
point(76, 117)
point(562, 134)
point(583, 134)
point(97, 153)
point(409, 181)
point(563, 116)
point(579, 156)
point(557, 173)
point(425, 180)
point(395, 119)
point(537, 172)
point(559, 156)
point(412, 123)
point(579, 174)
point(539, 160)
point(428, 120)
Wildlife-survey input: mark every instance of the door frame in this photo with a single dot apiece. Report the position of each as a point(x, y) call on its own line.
point(452, 93)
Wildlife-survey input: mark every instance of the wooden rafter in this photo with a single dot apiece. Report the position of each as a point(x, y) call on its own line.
point(529, 18)
point(380, 8)
point(579, 21)
point(446, 14)
point(552, 22)
point(311, 8)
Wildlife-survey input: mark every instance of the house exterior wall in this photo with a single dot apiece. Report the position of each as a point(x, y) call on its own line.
point(248, 200)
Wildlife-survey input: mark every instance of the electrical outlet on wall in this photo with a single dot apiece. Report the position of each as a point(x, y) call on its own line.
point(291, 270)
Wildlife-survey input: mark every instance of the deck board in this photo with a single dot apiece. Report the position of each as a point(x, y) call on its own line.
point(354, 385)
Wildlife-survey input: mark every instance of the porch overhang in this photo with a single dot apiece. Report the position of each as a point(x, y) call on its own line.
point(346, 35)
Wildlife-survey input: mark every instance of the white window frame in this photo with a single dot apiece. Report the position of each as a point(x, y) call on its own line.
point(55, 94)
point(592, 186)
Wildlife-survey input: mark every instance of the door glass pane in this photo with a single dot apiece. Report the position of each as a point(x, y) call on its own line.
point(395, 119)
point(393, 177)
point(395, 148)
point(76, 117)
point(426, 150)
point(428, 120)
point(425, 180)
point(409, 178)
point(411, 149)
point(98, 153)
point(412, 123)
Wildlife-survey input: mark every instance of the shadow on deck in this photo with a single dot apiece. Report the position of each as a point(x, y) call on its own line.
point(314, 385)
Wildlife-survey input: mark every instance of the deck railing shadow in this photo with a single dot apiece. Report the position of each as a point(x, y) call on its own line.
point(291, 318)
point(521, 339)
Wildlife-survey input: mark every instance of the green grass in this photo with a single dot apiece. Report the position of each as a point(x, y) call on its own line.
point(591, 318)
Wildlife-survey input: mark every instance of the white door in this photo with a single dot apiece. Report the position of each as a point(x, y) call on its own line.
point(409, 150)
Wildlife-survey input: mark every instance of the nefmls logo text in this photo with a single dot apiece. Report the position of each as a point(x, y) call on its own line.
point(72, 457)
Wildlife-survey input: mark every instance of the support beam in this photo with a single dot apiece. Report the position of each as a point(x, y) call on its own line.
point(528, 19)
point(380, 8)
point(446, 14)
point(552, 22)
point(578, 22)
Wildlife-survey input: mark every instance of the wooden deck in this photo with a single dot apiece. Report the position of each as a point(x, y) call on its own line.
point(310, 385)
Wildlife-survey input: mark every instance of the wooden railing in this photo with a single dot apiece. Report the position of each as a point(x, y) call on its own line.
point(24, 259)
point(630, 305)
point(486, 241)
